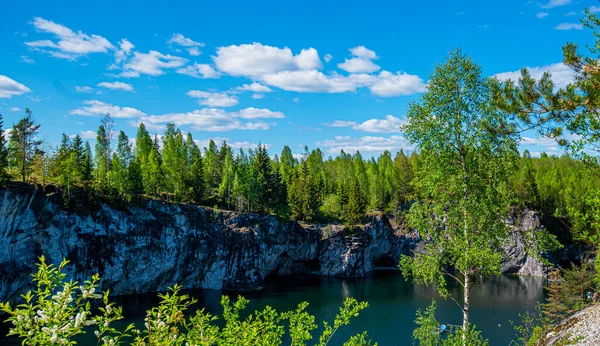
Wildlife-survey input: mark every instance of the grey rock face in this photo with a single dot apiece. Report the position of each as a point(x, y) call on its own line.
point(517, 260)
point(153, 247)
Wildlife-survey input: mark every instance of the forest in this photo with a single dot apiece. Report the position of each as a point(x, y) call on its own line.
point(344, 188)
point(457, 188)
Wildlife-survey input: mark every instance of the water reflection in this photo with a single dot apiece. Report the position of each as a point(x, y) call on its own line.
point(393, 303)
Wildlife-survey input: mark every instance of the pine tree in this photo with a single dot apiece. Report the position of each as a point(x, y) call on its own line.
point(287, 163)
point(102, 158)
point(227, 180)
point(212, 172)
point(88, 165)
point(174, 161)
point(23, 145)
point(3, 154)
point(355, 208)
point(195, 173)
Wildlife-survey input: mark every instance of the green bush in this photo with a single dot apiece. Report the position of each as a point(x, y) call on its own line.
point(58, 310)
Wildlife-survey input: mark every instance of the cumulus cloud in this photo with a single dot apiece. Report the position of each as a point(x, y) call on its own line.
point(388, 125)
point(10, 87)
point(254, 87)
point(328, 57)
point(255, 60)
point(364, 144)
point(152, 63)
point(541, 15)
point(116, 86)
point(569, 26)
point(189, 44)
point(310, 81)
point(363, 52)
point(561, 74)
point(213, 99)
point(125, 48)
point(400, 83)
point(15, 109)
point(95, 107)
point(84, 89)
point(258, 96)
point(68, 44)
point(88, 134)
point(234, 144)
point(27, 60)
point(359, 65)
point(203, 71)
point(361, 62)
point(216, 120)
point(279, 67)
point(555, 3)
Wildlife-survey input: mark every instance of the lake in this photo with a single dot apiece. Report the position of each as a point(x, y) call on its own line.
point(393, 303)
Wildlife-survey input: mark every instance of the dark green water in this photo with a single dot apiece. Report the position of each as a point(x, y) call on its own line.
point(393, 303)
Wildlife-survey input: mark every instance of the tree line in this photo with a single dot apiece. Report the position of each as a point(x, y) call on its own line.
point(171, 166)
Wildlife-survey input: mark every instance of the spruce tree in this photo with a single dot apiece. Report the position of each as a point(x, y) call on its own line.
point(23, 145)
point(3, 154)
point(102, 158)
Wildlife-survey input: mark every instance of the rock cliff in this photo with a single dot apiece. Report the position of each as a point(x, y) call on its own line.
point(152, 246)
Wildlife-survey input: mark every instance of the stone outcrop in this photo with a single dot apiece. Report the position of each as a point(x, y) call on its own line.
point(152, 246)
point(517, 259)
point(583, 328)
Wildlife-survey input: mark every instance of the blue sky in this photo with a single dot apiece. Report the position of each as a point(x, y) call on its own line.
point(337, 75)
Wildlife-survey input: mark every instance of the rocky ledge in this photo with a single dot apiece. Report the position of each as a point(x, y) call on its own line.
point(583, 328)
point(152, 246)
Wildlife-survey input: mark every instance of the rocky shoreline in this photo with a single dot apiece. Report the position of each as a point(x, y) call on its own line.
point(150, 247)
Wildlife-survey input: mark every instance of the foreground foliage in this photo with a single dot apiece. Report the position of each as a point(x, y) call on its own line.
point(59, 310)
point(428, 332)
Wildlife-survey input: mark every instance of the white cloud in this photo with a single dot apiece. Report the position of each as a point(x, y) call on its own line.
point(593, 9)
point(258, 96)
point(388, 125)
point(561, 74)
point(116, 86)
point(196, 70)
point(235, 145)
point(310, 81)
point(95, 107)
point(364, 144)
point(569, 26)
point(363, 52)
point(84, 89)
point(401, 83)
point(296, 99)
point(189, 44)
point(258, 113)
point(254, 87)
point(27, 60)
point(556, 3)
point(15, 109)
point(216, 120)
point(88, 134)
point(359, 65)
point(573, 13)
point(152, 63)
point(194, 51)
point(361, 62)
point(125, 48)
point(69, 45)
point(541, 15)
point(308, 59)
point(10, 87)
point(328, 57)
point(255, 60)
point(213, 99)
